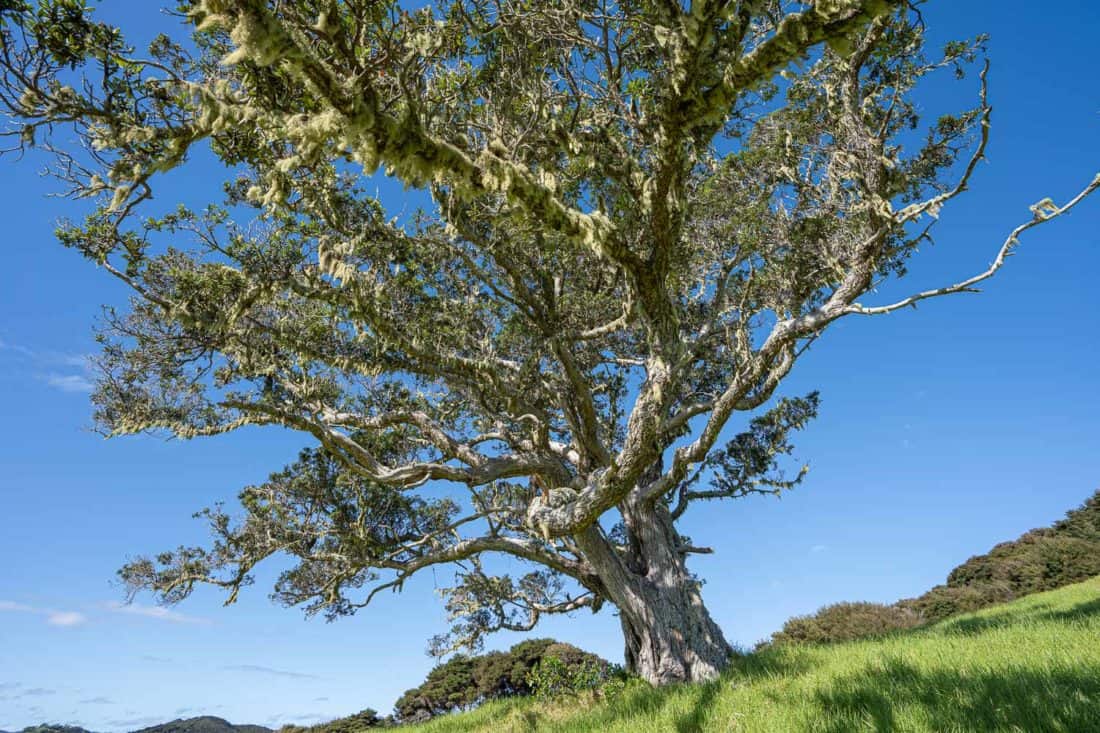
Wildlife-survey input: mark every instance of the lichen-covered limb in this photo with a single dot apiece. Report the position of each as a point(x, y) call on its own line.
point(450, 446)
point(540, 301)
point(480, 604)
point(934, 204)
point(403, 144)
point(355, 546)
point(828, 20)
point(751, 389)
point(1042, 212)
point(523, 548)
point(407, 475)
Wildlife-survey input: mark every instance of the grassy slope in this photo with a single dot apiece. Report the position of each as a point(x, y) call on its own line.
point(1032, 665)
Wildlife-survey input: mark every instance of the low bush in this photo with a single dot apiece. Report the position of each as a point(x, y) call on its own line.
point(554, 677)
point(846, 621)
point(464, 682)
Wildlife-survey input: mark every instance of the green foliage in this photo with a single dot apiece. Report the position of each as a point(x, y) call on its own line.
point(464, 682)
point(844, 622)
point(449, 686)
point(1032, 665)
point(555, 677)
point(362, 720)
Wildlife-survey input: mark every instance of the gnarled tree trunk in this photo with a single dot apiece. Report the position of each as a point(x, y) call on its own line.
point(669, 634)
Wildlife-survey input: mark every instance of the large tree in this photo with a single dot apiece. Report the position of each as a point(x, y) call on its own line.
point(643, 212)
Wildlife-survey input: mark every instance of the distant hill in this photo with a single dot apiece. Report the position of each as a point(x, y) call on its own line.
point(54, 728)
point(203, 724)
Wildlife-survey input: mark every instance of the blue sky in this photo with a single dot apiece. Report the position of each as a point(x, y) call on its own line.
point(942, 431)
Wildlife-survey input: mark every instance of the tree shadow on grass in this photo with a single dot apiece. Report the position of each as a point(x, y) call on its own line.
point(894, 696)
point(692, 722)
point(1080, 612)
point(777, 661)
point(1043, 612)
point(645, 703)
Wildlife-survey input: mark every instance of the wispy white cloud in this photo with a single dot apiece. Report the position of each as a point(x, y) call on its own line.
point(16, 348)
point(46, 357)
point(159, 613)
point(69, 382)
point(132, 723)
point(305, 718)
point(258, 669)
point(98, 701)
point(53, 616)
point(65, 618)
point(13, 606)
point(64, 380)
point(818, 549)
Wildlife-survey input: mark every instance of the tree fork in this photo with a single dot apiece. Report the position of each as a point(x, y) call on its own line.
point(668, 632)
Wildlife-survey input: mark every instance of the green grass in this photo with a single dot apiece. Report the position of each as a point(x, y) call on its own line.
point(1030, 666)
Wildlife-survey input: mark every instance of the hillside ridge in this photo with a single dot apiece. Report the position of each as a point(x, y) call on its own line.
point(1032, 664)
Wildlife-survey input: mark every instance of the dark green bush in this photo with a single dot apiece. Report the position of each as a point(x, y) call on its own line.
point(554, 677)
point(362, 720)
point(845, 621)
point(944, 601)
point(464, 682)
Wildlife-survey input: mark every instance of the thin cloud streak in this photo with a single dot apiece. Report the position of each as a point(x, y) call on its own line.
point(135, 722)
point(65, 382)
point(72, 383)
point(18, 607)
point(65, 618)
point(159, 613)
point(257, 669)
point(46, 357)
point(53, 616)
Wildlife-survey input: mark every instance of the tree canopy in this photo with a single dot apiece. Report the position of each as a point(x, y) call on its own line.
point(642, 214)
point(464, 682)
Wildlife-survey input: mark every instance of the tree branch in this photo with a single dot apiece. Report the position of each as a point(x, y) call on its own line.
point(1043, 212)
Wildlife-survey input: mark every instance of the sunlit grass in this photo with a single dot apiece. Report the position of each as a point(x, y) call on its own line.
point(1030, 666)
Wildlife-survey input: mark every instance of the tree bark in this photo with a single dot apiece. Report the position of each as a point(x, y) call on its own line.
point(669, 634)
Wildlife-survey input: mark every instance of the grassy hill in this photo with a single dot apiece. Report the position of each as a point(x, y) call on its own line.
point(203, 724)
point(1031, 665)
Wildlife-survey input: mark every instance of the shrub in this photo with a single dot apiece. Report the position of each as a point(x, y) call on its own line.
point(449, 686)
point(944, 601)
point(464, 682)
point(351, 724)
point(554, 677)
point(846, 621)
